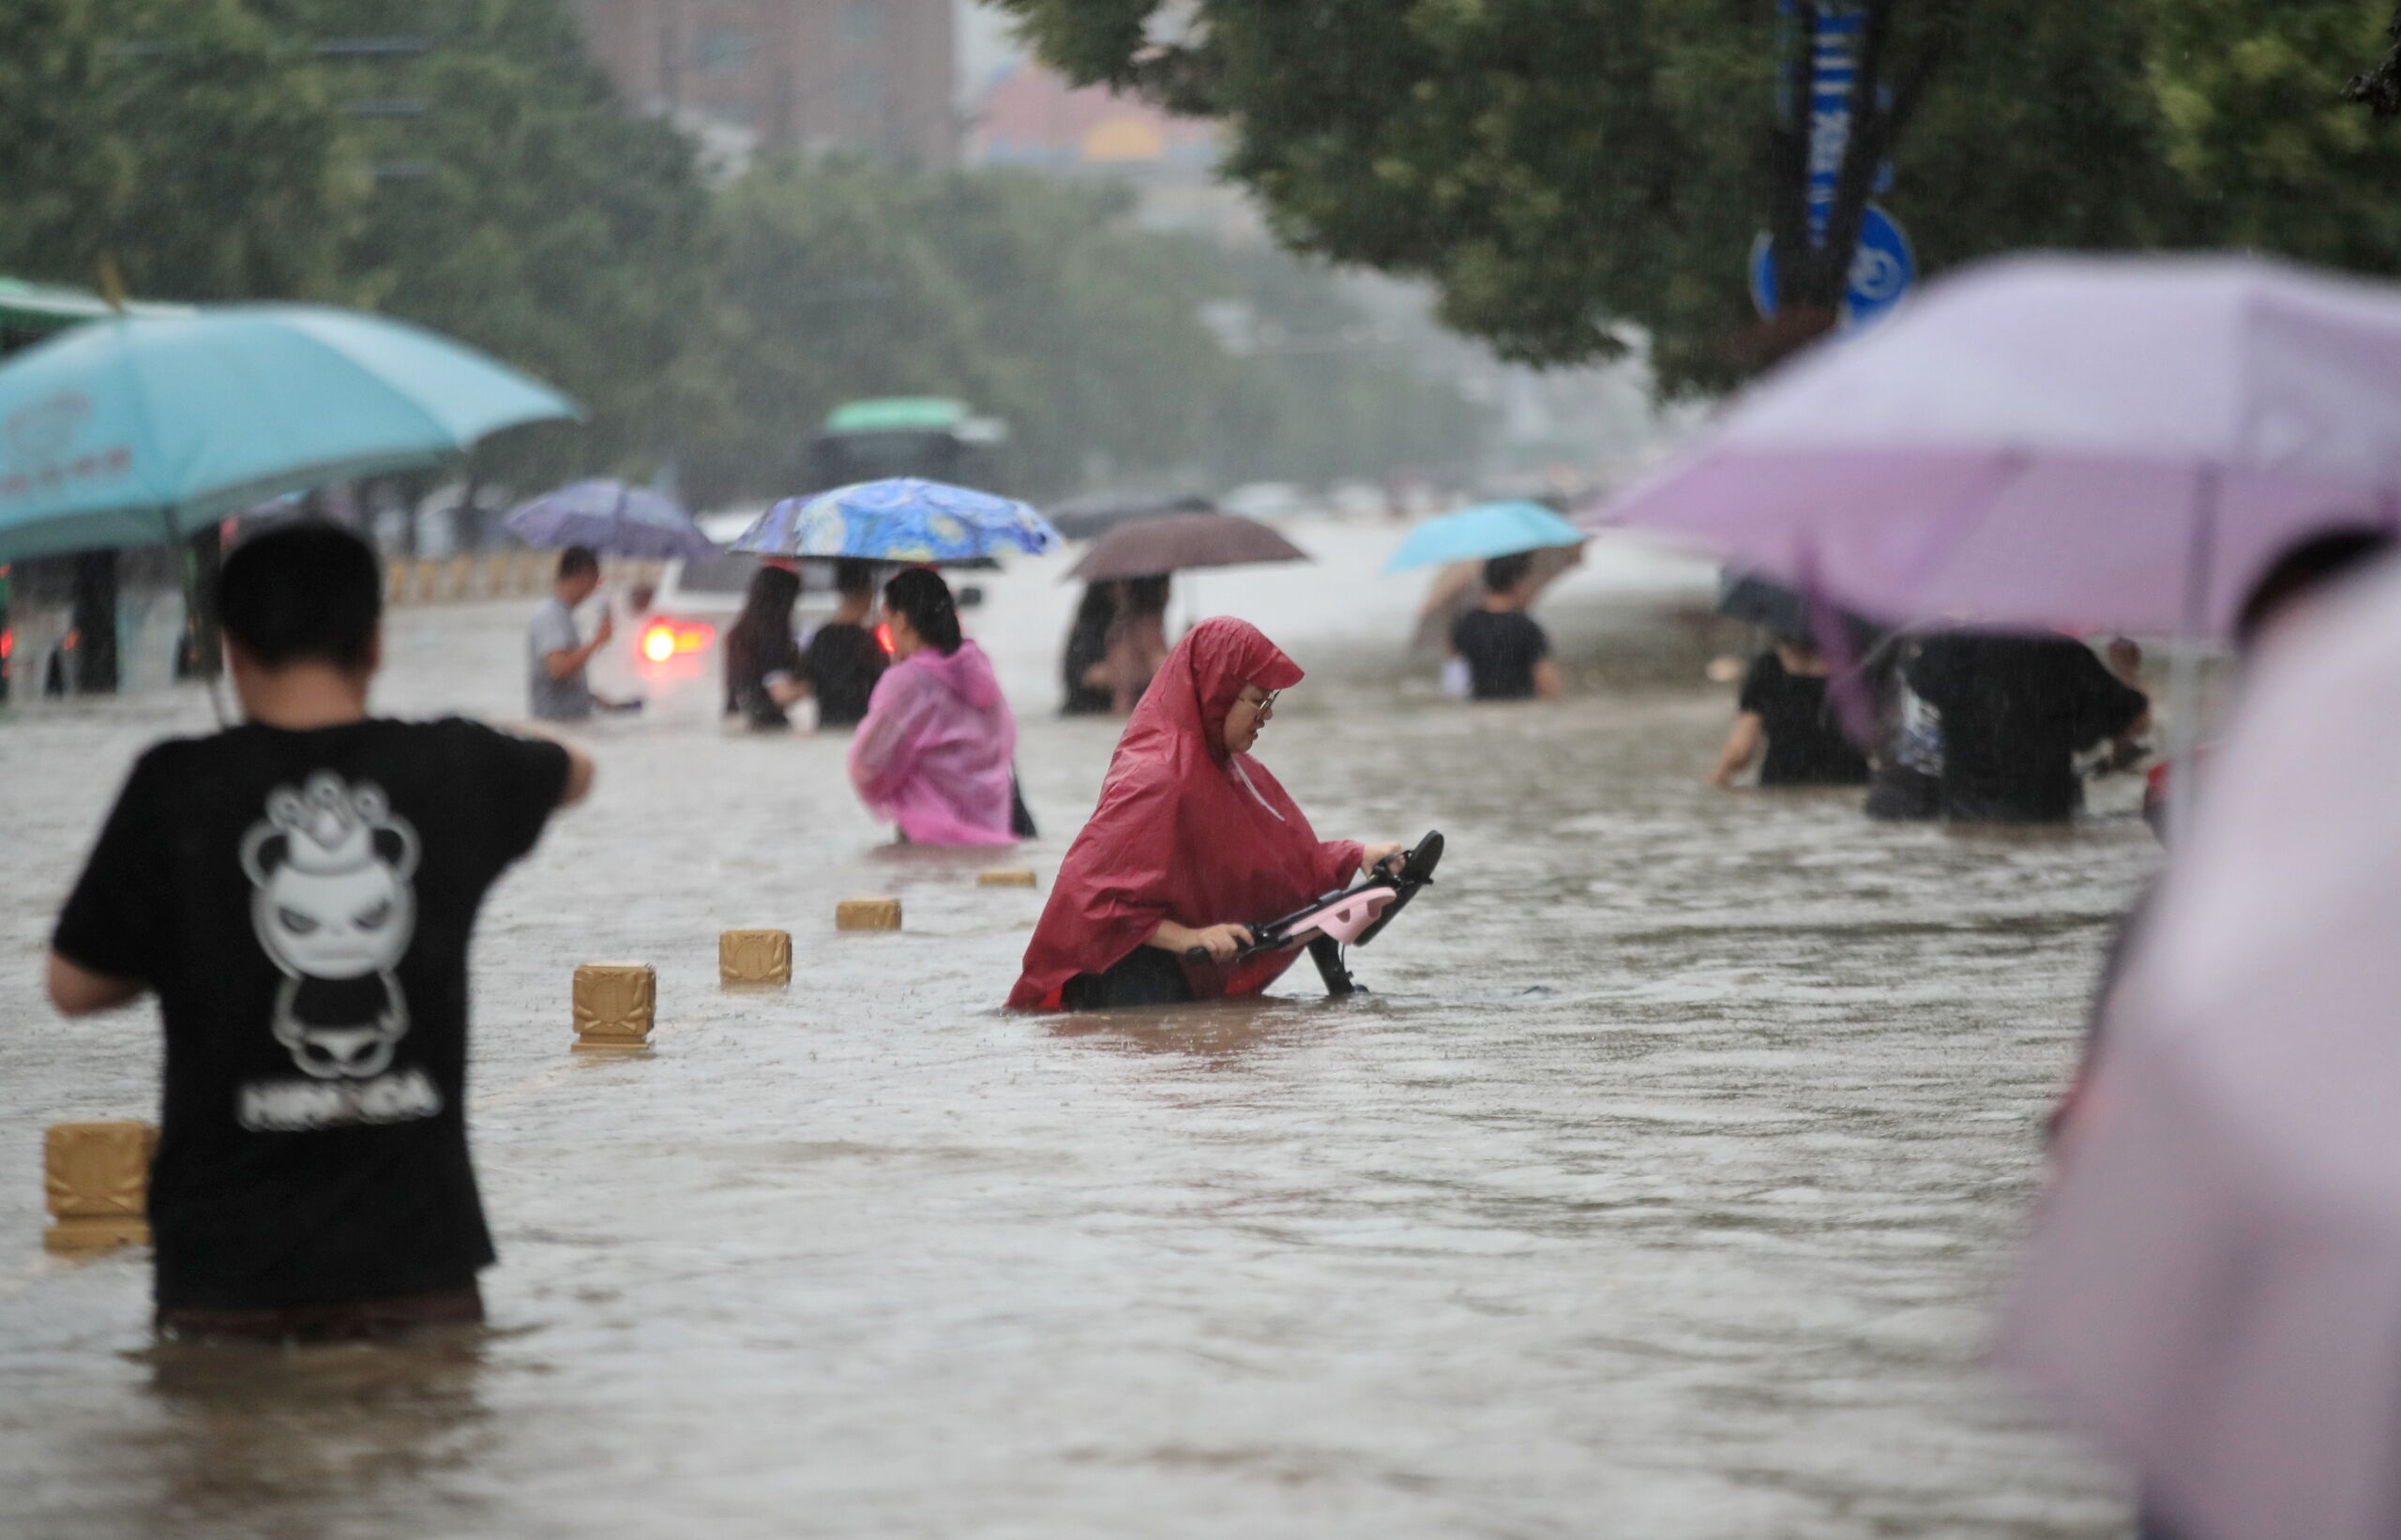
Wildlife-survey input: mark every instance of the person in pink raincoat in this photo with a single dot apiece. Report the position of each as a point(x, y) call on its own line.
point(934, 752)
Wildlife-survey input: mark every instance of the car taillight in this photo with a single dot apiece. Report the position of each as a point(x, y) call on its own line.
point(884, 639)
point(662, 640)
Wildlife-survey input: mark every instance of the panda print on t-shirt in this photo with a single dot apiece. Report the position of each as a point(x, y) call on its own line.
point(331, 903)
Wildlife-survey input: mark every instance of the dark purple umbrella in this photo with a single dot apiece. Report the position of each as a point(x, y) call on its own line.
point(1155, 547)
point(612, 518)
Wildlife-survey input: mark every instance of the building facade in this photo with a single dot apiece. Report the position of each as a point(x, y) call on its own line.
point(869, 77)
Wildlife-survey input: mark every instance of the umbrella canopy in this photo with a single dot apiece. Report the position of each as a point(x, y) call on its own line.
point(612, 518)
point(1155, 547)
point(2209, 1284)
point(1482, 533)
point(2059, 442)
point(900, 520)
point(1097, 513)
point(137, 430)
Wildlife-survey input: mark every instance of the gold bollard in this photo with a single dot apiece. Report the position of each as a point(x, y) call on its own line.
point(462, 577)
point(614, 1002)
point(1005, 877)
point(429, 581)
point(97, 1177)
point(867, 915)
point(754, 956)
point(395, 581)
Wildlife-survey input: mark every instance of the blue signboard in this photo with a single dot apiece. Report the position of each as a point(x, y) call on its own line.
point(1834, 74)
point(1882, 269)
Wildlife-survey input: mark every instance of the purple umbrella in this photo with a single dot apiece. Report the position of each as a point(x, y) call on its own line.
point(2081, 442)
point(2078, 442)
point(2213, 1284)
point(612, 518)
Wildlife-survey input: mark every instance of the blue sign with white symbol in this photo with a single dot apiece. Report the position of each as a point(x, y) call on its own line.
point(1882, 269)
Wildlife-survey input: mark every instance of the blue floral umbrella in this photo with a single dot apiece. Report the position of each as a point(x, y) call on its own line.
point(901, 520)
point(612, 519)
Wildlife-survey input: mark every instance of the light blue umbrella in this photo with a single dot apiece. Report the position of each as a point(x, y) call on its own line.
point(1483, 532)
point(140, 429)
point(612, 519)
point(901, 520)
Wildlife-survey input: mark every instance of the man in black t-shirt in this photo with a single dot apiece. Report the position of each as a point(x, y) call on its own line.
point(2015, 711)
point(299, 892)
point(844, 658)
point(1506, 653)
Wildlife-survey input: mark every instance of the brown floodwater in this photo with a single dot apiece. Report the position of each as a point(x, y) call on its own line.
point(1657, 1190)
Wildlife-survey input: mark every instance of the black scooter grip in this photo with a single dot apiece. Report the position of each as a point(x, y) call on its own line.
point(1196, 954)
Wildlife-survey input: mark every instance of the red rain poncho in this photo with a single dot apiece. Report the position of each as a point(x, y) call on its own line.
point(1185, 831)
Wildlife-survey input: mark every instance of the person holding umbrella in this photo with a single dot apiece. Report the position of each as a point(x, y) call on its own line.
point(843, 659)
point(1503, 652)
point(1505, 649)
point(934, 752)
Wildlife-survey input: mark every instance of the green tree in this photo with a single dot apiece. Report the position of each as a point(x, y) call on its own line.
point(1562, 168)
point(526, 212)
point(187, 139)
point(1038, 303)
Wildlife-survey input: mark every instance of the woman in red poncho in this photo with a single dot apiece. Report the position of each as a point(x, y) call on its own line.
point(1192, 840)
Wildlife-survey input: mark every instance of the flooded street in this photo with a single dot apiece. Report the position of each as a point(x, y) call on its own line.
point(1655, 1192)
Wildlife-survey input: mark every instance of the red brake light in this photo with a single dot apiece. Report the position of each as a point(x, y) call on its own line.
point(884, 639)
point(662, 640)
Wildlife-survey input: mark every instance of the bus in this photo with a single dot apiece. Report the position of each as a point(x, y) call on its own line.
point(927, 436)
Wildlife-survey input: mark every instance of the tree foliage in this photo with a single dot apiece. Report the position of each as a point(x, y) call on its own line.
point(1561, 168)
point(1036, 302)
point(222, 150)
point(185, 138)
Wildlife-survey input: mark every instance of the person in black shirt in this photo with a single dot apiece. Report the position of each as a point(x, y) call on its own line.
point(762, 661)
point(1783, 709)
point(2015, 711)
point(844, 658)
point(299, 892)
point(1508, 656)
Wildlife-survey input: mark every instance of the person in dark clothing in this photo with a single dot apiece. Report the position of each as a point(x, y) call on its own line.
point(844, 659)
point(1508, 655)
point(763, 667)
point(1086, 654)
point(300, 892)
point(2015, 711)
point(1905, 779)
point(1784, 710)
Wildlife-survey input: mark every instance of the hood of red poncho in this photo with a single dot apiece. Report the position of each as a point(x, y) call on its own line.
point(1185, 830)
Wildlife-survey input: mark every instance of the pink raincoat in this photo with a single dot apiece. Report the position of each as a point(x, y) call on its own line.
point(932, 753)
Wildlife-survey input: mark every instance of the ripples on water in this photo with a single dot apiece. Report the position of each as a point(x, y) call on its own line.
point(1655, 1191)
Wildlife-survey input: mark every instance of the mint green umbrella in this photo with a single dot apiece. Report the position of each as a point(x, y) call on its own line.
point(139, 429)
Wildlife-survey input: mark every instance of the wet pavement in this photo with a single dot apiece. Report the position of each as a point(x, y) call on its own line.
point(1657, 1191)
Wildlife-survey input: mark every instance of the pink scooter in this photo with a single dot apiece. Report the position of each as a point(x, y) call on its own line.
point(1352, 917)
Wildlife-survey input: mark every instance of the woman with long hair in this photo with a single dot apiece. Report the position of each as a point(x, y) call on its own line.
point(764, 673)
point(933, 751)
point(1193, 843)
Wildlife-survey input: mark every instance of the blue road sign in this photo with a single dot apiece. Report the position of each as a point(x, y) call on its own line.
point(1882, 269)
